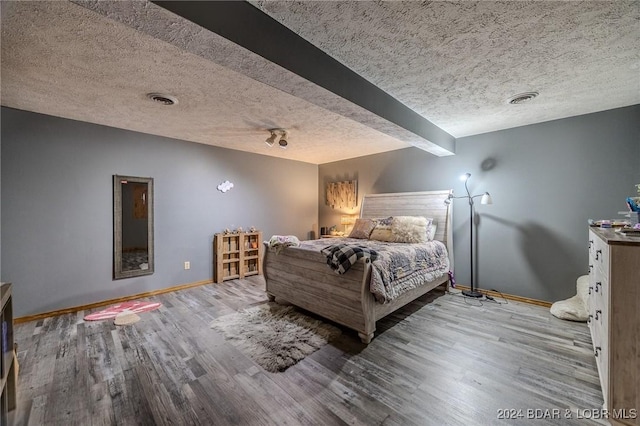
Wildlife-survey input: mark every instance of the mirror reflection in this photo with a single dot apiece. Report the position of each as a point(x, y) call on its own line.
point(133, 226)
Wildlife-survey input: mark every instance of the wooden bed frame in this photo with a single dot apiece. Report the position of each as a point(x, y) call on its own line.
point(303, 278)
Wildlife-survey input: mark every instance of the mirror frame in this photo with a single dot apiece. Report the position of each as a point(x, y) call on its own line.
point(118, 273)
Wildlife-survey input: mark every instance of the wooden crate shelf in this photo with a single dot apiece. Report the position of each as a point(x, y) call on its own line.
point(7, 364)
point(237, 255)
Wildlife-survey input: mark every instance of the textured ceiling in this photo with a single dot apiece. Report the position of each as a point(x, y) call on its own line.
point(454, 63)
point(62, 59)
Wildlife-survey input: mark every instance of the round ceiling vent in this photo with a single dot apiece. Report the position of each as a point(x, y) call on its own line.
point(522, 98)
point(163, 99)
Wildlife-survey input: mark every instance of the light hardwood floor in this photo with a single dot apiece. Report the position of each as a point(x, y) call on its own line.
point(440, 360)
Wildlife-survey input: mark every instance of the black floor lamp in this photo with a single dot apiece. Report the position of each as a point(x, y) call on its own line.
point(486, 199)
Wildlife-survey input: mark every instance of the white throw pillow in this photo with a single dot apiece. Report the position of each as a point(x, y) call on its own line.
point(410, 229)
point(431, 233)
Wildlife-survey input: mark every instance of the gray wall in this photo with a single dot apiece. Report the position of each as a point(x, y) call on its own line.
point(546, 180)
point(57, 206)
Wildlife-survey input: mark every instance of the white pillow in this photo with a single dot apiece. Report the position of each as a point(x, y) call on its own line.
point(431, 232)
point(410, 229)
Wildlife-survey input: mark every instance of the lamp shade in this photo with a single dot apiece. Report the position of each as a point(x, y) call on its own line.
point(486, 199)
point(347, 220)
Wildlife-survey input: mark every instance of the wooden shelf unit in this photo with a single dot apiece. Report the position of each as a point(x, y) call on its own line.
point(7, 366)
point(237, 255)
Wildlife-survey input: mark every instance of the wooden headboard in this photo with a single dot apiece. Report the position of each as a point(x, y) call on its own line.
point(428, 203)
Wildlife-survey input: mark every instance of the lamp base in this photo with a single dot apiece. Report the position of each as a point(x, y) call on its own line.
point(471, 293)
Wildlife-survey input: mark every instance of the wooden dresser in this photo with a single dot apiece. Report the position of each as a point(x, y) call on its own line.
point(614, 321)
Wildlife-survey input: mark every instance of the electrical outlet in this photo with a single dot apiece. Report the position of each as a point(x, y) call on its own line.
point(187, 265)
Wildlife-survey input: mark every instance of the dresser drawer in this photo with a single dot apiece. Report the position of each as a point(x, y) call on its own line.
point(601, 353)
point(599, 314)
point(598, 254)
point(598, 289)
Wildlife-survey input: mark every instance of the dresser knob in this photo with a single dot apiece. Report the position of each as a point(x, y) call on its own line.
point(597, 351)
point(589, 320)
point(590, 288)
point(598, 284)
point(590, 268)
point(598, 253)
point(598, 313)
point(590, 242)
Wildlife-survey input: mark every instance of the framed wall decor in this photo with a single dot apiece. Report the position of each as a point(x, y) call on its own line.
point(342, 195)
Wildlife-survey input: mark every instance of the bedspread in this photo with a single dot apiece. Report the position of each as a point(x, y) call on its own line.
point(399, 267)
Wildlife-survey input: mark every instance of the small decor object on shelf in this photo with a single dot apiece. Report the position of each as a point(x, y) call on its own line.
point(633, 206)
point(334, 231)
point(629, 231)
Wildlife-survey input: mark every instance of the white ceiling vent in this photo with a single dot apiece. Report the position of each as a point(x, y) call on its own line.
point(163, 99)
point(521, 98)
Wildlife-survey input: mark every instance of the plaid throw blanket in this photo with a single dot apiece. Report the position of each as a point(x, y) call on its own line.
point(340, 257)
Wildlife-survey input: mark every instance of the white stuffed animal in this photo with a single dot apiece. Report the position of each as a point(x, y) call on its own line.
point(574, 308)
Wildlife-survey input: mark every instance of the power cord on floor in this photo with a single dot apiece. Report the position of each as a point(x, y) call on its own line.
point(486, 297)
point(504, 299)
point(465, 298)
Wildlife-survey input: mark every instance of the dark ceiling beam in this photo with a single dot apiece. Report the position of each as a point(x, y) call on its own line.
point(247, 26)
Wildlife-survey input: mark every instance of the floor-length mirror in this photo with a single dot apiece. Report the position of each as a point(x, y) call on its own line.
point(132, 226)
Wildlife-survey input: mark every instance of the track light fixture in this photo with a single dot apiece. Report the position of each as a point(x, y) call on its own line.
point(271, 139)
point(283, 140)
point(279, 135)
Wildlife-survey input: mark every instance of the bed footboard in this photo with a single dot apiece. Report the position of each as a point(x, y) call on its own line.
point(302, 278)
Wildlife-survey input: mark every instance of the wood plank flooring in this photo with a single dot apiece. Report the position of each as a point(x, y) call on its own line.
point(441, 360)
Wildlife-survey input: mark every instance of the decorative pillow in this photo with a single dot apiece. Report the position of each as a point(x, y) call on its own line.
point(431, 233)
point(382, 230)
point(362, 228)
point(410, 229)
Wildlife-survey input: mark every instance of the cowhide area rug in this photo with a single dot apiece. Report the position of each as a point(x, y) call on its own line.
point(275, 336)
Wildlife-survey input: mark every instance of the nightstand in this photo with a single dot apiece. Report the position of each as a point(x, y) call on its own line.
point(333, 236)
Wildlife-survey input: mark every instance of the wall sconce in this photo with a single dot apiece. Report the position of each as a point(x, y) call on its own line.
point(279, 135)
point(347, 220)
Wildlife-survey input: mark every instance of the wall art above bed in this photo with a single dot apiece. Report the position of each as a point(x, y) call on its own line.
point(342, 195)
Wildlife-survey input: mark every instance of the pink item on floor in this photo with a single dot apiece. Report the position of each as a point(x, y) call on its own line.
point(133, 306)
